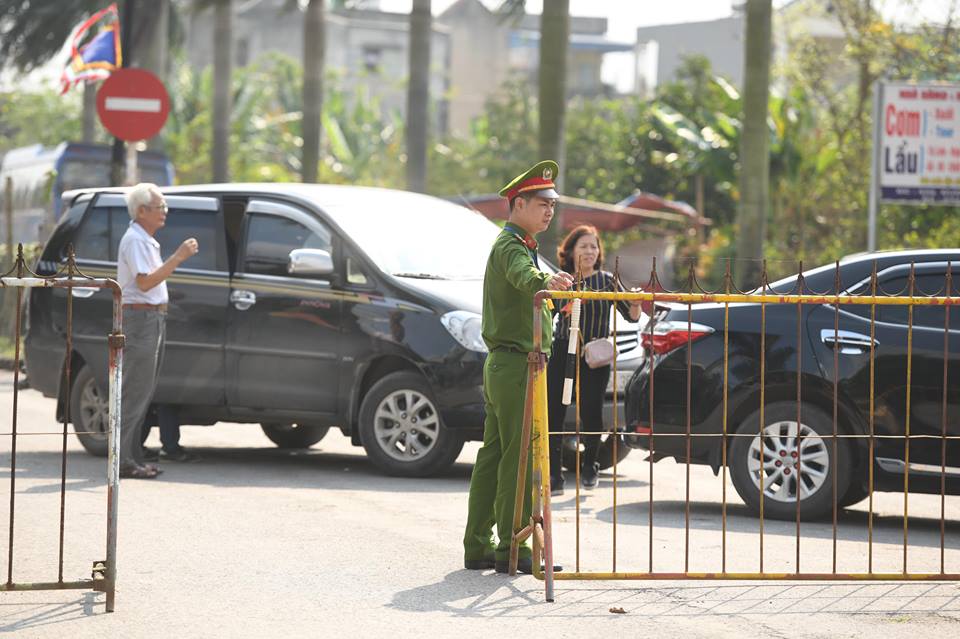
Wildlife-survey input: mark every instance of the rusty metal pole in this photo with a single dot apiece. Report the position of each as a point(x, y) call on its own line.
point(943, 422)
point(906, 438)
point(872, 425)
point(8, 214)
point(16, 397)
point(727, 280)
point(116, 342)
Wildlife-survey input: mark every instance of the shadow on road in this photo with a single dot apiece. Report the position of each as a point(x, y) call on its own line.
point(37, 613)
point(851, 524)
point(262, 467)
point(467, 594)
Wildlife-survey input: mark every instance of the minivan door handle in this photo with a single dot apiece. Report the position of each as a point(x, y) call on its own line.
point(82, 292)
point(850, 343)
point(242, 300)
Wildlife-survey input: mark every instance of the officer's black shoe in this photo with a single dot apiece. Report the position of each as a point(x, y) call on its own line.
point(590, 475)
point(524, 566)
point(479, 564)
point(556, 486)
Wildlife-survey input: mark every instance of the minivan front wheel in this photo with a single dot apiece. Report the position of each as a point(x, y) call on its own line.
point(401, 428)
point(90, 413)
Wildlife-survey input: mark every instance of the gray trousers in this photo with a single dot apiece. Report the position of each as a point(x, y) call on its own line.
point(142, 355)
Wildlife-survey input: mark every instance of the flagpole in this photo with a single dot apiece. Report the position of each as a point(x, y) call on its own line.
point(118, 152)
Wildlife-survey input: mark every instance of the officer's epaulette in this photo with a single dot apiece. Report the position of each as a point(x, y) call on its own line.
point(524, 241)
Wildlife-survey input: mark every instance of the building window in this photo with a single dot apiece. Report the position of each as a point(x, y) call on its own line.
point(372, 59)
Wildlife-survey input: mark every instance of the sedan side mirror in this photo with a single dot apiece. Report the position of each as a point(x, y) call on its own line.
point(310, 262)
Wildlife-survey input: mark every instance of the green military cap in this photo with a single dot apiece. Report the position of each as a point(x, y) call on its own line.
point(537, 180)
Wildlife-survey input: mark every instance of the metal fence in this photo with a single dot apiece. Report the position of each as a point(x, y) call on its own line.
point(536, 432)
point(21, 277)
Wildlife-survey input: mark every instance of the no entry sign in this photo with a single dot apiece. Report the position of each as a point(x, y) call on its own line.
point(133, 104)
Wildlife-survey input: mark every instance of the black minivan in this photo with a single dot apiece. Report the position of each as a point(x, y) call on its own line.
point(308, 306)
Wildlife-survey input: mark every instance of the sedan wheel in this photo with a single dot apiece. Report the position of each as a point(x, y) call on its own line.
point(788, 461)
point(788, 466)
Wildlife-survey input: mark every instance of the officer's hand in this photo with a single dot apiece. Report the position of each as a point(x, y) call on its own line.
point(188, 249)
point(560, 282)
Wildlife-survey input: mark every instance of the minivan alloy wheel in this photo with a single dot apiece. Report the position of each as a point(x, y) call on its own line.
point(89, 412)
point(406, 425)
point(788, 461)
point(93, 409)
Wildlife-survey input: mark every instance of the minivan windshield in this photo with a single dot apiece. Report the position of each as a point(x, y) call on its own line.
point(422, 237)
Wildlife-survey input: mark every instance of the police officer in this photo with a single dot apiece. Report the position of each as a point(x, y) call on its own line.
point(512, 278)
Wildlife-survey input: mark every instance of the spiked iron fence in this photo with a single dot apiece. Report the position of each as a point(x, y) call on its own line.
point(104, 572)
point(535, 429)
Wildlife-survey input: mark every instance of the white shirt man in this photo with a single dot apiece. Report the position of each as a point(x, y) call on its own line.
point(142, 275)
point(139, 253)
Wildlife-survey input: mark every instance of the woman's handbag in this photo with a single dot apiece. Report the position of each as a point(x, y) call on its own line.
point(599, 352)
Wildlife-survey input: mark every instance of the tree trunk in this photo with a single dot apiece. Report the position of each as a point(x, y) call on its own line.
point(222, 63)
point(418, 95)
point(89, 111)
point(313, 51)
point(754, 145)
point(554, 39)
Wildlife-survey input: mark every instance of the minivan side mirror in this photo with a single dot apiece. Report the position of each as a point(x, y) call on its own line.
point(310, 262)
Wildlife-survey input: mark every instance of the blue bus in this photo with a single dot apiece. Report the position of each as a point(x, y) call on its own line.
point(41, 174)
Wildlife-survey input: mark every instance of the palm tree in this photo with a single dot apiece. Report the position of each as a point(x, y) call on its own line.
point(222, 63)
point(552, 88)
point(313, 52)
point(754, 144)
point(418, 95)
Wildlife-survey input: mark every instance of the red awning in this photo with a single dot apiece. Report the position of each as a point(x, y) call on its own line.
point(652, 212)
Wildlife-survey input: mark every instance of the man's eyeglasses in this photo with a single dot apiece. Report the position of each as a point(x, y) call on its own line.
point(163, 207)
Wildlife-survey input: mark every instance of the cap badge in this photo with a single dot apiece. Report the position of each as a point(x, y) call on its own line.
point(547, 174)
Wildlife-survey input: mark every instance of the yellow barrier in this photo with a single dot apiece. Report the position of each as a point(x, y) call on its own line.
point(536, 433)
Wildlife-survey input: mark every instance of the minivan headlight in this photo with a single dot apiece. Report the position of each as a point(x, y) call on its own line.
point(464, 326)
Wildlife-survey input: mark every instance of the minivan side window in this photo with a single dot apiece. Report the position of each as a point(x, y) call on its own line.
point(92, 241)
point(186, 223)
point(99, 235)
point(270, 238)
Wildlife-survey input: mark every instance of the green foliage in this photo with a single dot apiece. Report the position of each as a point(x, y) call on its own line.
point(33, 32)
point(42, 117)
point(688, 133)
point(361, 143)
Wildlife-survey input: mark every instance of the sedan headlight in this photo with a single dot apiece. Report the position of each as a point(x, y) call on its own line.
point(464, 326)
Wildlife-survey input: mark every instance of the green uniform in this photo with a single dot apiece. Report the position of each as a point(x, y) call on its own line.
point(511, 280)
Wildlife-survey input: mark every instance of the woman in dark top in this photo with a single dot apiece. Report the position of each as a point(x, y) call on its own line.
point(582, 251)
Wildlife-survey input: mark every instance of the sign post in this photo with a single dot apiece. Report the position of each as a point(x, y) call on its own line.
point(133, 105)
point(916, 147)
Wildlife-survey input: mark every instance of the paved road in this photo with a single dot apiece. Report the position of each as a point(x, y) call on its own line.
point(258, 542)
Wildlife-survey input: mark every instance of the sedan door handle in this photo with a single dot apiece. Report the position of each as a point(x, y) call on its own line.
point(850, 343)
point(242, 300)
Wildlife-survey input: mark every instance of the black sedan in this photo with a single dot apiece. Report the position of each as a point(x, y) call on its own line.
point(808, 342)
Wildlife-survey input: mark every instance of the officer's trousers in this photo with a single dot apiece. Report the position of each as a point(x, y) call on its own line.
point(493, 484)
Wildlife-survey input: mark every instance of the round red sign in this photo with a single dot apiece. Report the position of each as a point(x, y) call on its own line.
point(133, 104)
